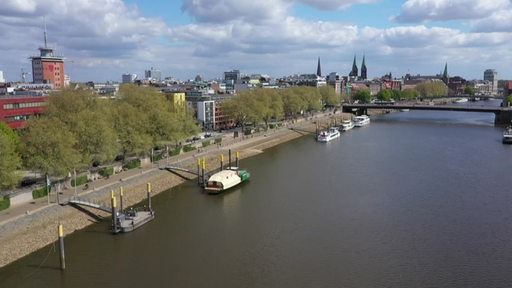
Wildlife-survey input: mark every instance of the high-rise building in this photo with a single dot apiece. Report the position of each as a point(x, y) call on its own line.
point(492, 76)
point(231, 78)
point(2, 80)
point(128, 78)
point(153, 75)
point(48, 68)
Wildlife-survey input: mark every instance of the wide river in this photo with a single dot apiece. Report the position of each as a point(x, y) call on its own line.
point(415, 199)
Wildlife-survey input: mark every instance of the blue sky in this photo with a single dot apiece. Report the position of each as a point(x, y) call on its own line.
point(102, 39)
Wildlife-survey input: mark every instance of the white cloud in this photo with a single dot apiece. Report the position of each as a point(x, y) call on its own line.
point(104, 38)
point(333, 4)
point(418, 11)
point(221, 11)
point(498, 21)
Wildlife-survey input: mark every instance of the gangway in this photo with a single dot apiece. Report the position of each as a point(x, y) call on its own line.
point(175, 168)
point(90, 204)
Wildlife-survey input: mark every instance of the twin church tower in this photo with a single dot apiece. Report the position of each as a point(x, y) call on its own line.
point(353, 73)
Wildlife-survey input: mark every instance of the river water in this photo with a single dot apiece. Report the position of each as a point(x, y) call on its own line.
point(415, 199)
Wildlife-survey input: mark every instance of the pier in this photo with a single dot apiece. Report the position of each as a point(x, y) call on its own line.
point(122, 221)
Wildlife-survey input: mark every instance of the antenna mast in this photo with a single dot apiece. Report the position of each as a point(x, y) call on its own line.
point(45, 36)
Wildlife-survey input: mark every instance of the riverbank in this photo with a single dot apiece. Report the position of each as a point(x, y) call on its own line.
point(37, 229)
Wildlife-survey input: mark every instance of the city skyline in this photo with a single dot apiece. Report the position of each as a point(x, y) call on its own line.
point(101, 40)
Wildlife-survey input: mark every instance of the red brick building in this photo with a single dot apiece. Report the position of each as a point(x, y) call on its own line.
point(22, 104)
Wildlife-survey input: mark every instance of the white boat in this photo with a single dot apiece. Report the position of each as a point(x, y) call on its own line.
point(361, 120)
point(347, 125)
point(225, 179)
point(328, 135)
point(507, 135)
point(461, 100)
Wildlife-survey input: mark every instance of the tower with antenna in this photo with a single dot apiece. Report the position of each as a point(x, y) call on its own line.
point(48, 68)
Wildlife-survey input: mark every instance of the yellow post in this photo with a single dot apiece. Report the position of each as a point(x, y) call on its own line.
point(121, 194)
point(61, 248)
point(114, 213)
point(149, 196)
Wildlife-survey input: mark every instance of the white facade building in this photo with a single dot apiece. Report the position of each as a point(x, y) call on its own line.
point(492, 76)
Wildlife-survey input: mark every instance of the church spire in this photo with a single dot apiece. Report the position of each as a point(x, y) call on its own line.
point(354, 71)
point(363, 69)
point(446, 78)
point(318, 69)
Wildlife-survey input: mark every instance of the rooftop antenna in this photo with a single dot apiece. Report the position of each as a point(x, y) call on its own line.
point(45, 34)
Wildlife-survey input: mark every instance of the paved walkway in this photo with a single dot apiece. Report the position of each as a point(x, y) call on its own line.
point(228, 142)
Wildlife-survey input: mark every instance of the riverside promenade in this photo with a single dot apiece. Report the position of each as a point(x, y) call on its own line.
point(30, 226)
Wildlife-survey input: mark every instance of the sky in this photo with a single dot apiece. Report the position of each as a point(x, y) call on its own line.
point(103, 39)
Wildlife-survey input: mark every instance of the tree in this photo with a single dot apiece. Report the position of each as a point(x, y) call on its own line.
point(311, 98)
point(151, 120)
point(236, 109)
point(385, 95)
point(363, 95)
point(409, 94)
point(292, 103)
point(89, 119)
point(49, 147)
point(432, 89)
point(469, 90)
point(10, 160)
point(329, 96)
point(131, 127)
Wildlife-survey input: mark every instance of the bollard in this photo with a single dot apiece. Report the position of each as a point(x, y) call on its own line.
point(114, 215)
point(237, 157)
point(149, 195)
point(61, 248)
point(229, 156)
point(204, 168)
point(198, 171)
point(121, 202)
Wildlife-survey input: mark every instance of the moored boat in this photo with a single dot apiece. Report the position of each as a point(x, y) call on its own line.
point(328, 135)
point(225, 179)
point(347, 125)
point(507, 135)
point(361, 120)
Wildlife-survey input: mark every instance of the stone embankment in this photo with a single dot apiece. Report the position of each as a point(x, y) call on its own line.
point(37, 229)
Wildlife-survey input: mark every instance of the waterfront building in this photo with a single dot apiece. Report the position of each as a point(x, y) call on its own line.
point(206, 114)
point(48, 67)
point(492, 76)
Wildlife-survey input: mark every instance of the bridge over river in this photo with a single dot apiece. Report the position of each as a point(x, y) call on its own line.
point(503, 115)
